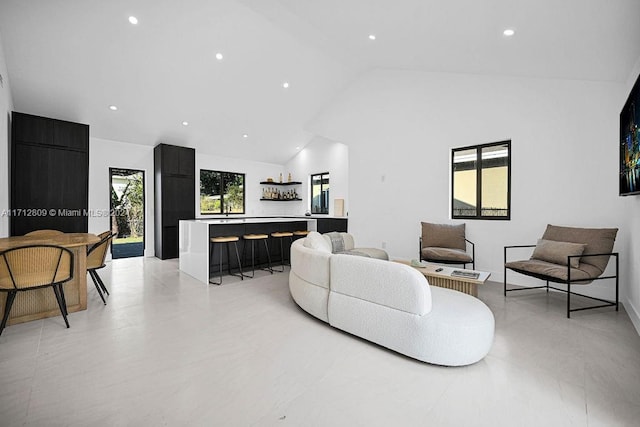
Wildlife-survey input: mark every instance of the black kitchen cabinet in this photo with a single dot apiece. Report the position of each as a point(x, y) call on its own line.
point(49, 175)
point(175, 197)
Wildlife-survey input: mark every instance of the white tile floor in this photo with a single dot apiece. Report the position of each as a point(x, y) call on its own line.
point(167, 350)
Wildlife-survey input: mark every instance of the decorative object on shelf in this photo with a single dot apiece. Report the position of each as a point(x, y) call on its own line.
point(269, 179)
point(289, 177)
point(281, 177)
point(273, 193)
point(338, 207)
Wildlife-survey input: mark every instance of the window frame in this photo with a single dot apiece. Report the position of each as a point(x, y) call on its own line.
point(324, 211)
point(221, 188)
point(479, 169)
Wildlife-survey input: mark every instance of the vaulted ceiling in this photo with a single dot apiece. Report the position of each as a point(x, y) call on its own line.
point(73, 59)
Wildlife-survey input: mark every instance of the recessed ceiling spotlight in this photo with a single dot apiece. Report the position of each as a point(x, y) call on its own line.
point(509, 32)
point(113, 107)
point(372, 36)
point(245, 136)
point(285, 85)
point(185, 123)
point(297, 148)
point(133, 20)
point(219, 56)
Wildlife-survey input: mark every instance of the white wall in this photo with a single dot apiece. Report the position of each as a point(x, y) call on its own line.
point(401, 126)
point(323, 155)
point(255, 172)
point(6, 106)
point(104, 154)
point(631, 209)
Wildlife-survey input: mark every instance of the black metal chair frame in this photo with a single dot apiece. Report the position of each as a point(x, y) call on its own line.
point(440, 261)
point(282, 253)
point(269, 268)
point(241, 275)
point(97, 281)
point(567, 282)
point(57, 287)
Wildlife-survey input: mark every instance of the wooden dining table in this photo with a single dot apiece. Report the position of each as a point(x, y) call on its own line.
point(41, 303)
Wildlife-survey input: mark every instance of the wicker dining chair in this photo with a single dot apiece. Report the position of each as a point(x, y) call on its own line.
point(35, 267)
point(96, 256)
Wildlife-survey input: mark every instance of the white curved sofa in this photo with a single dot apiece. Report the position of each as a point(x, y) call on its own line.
point(390, 304)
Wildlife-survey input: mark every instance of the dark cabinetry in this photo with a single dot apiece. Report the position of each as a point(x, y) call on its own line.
point(49, 175)
point(327, 225)
point(174, 171)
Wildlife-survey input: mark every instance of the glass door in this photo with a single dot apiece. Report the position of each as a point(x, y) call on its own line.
point(127, 212)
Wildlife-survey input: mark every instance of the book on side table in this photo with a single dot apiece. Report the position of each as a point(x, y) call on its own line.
point(465, 273)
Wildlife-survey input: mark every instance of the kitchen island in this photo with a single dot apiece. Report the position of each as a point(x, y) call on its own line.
point(195, 234)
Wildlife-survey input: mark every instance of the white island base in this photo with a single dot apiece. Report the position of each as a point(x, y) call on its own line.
point(194, 238)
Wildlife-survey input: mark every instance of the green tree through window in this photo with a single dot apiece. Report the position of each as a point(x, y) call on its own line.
point(221, 192)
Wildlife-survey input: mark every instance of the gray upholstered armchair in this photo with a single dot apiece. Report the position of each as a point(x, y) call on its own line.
point(570, 256)
point(446, 244)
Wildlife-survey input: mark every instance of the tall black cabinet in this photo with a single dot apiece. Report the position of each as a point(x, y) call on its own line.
point(175, 197)
point(49, 175)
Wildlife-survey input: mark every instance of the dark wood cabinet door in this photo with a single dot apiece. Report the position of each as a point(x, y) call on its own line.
point(170, 160)
point(49, 182)
point(174, 169)
point(70, 135)
point(31, 129)
point(327, 225)
point(187, 162)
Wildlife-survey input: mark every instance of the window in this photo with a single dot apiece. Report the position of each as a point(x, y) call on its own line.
point(320, 193)
point(221, 192)
point(481, 181)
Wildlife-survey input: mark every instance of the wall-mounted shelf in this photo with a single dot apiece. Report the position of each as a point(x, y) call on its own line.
point(278, 196)
point(281, 183)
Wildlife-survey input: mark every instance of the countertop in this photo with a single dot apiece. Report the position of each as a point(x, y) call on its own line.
point(256, 220)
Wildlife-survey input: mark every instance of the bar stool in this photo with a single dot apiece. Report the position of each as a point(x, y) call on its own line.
point(253, 238)
point(227, 240)
point(280, 235)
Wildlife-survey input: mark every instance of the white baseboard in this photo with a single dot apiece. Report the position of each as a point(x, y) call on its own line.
point(633, 313)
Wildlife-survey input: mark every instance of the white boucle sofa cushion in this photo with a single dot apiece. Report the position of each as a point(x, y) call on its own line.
point(389, 284)
point(311, 265)
point(311, 298)
point(315, 240)
point(458, 331)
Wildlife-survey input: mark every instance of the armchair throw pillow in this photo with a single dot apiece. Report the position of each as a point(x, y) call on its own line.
point(443, 236)
point(557, 252)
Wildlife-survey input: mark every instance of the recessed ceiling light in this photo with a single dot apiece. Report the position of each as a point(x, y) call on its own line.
point(372, 36)
point(509, 32)
point(219, 56)
point(113, 107)
point(245, 136)
point(185, 123)
point(297, 148)
point(133, 20)
point(285, 85)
